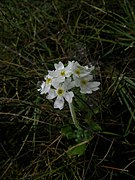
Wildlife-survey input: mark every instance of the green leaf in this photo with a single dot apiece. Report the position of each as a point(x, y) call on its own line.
point(83, 135)
point(68, 132)
point(77, 150)
point(94, 126)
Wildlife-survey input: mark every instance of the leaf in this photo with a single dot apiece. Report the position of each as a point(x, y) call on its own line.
point(83, 135)
point(94, 126)
point(78, 149)
point(68, 132)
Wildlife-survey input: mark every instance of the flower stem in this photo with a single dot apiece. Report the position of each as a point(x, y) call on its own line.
point(72, 111)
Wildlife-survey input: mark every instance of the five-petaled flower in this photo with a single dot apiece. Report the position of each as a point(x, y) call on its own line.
point(61, 71)
point(86, 84)
point(61, 93)
point(81, 71)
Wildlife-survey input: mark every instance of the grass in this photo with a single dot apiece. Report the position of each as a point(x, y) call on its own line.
point(35, 35)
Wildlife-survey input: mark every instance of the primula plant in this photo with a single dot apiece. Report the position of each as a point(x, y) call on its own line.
point(60, 84)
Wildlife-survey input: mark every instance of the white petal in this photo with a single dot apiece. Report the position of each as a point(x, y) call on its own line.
point(91, 86)
point(94, 84)
point(42, 89)
point(68, 96)
point(68, 84)
point(86, 91)
point(59, 66)
point(59, 103)
point(70, 64)
point(89, 77)
point(47, 88)
point(51, 74)
point(69, 68)
point(76, 81)
point(51, 94)
point(83, 70)
point(56, 81)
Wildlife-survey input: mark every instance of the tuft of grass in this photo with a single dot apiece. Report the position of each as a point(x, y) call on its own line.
point(36, 34)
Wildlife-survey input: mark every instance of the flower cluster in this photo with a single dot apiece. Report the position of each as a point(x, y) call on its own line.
point(59, 82)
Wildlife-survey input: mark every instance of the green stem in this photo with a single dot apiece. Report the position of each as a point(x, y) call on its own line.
point(72, 111)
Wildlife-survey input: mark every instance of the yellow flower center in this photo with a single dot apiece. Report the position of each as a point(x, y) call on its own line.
point(62, 73)
point(48, 81)
point(77, 71)
point(60, 91)
point(83, 82)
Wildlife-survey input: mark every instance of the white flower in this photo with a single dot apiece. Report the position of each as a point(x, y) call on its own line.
point(81, 71)
point(59, 81)
point(48, 83)
point(61, 93)
point(42, 88)
point(62, 71)
point(50, 80)
point(86, 84)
